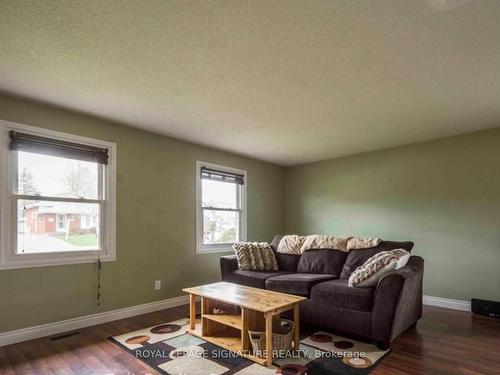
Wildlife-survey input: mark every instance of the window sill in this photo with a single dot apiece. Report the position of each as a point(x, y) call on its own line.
point(225, 249)
point(28, 261)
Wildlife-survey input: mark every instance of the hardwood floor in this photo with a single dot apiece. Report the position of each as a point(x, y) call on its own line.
point(444, 342)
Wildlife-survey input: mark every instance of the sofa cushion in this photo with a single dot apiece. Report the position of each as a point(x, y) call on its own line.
point(337, 293)
point(356, 258)
point(323, 261)
point(286, 262)
point(256, 279)
point(295, 283)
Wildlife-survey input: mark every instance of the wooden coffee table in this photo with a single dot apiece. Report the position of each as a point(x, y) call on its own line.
point(230, 331)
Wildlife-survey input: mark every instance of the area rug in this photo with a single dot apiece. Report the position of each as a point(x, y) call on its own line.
point(171, 350)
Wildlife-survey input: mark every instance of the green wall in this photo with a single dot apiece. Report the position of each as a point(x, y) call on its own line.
point(155, 223)
point(444, 195)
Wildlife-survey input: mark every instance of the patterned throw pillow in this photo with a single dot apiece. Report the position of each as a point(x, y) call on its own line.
point(255, 256)
point(370, 272)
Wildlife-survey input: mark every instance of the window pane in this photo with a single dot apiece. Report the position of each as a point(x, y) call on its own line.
point(44, 226)
point(53, 176)
point(219, 194)
point(220, 227)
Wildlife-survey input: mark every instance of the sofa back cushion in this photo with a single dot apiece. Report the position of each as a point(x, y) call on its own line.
point(356, 258)
point(276, 241)
point(322, 261)
point(286, 262)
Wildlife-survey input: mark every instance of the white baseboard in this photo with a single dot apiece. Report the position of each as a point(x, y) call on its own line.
point(50, 329)
point(447, 303)
point(55, 328)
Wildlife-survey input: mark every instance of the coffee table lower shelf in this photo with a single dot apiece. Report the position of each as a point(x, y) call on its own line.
point(248, 309)
point(232, 344)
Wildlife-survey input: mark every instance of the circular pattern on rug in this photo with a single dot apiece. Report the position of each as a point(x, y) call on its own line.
point(319, 337)
point(165, 328)
point(343, 344)
point(292, 369)
point(137, 339)
point(357, 362)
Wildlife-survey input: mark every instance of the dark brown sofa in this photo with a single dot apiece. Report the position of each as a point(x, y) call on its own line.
point(379, 314)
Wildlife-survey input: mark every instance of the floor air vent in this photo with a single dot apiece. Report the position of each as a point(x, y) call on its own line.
point(64, 335)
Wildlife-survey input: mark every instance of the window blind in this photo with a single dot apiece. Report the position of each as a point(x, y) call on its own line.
point(55, 147)
point(221, 176)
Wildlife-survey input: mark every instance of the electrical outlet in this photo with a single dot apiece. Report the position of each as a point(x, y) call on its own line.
point(157, 284)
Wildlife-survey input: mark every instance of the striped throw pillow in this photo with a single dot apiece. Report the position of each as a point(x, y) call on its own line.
point(370, 272)
point(255, 256)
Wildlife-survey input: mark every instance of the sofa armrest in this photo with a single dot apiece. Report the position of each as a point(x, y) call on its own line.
point(228, 264)
point(398, 301)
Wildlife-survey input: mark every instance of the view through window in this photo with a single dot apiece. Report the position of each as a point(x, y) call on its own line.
point(53, 209)
point(221, 207)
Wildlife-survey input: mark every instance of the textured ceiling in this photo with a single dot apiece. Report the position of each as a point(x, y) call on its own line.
point(284, 81)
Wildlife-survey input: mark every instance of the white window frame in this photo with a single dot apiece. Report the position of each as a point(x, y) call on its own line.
point(202, 248)
point(9, 258)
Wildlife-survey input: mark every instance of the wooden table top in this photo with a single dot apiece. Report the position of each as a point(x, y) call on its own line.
point(244, 296)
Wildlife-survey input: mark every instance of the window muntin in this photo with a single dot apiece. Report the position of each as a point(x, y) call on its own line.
point(221, 207)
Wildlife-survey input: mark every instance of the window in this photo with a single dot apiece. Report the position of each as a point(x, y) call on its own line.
point(57, 198)
point(220, 207)
point(60, 222)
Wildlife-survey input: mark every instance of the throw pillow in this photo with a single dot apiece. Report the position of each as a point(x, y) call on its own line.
point(356, 258)
point(255, 256)
point(370, 272)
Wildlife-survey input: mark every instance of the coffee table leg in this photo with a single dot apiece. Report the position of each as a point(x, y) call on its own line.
point(192, 311)
point(296, 333)
point(269, 339)
point(245, 341)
